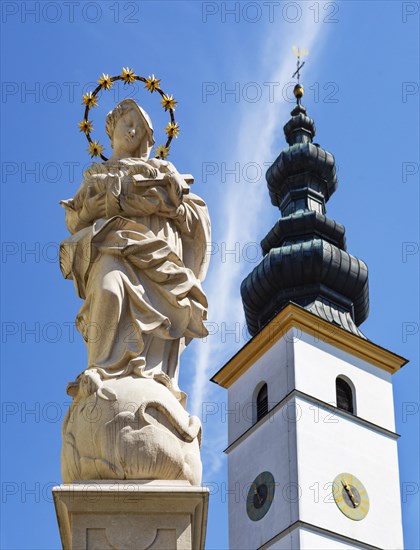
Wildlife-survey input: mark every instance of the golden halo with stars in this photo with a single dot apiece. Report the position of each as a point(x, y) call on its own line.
point(128, 76)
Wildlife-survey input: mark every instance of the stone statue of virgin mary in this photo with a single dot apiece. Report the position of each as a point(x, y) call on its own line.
point(137, 256)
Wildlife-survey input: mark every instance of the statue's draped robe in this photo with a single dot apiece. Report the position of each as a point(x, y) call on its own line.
point(137, 260)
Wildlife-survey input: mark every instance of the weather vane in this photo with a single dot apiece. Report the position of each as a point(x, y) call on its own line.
point(298, 89)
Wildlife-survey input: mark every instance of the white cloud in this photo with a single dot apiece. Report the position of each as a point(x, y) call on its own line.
point(254, 141)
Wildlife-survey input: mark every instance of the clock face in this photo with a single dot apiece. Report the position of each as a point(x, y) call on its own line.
point(350, 496)
point(260, 496)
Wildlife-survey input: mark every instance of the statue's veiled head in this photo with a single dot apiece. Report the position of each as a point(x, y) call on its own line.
point(130, 130)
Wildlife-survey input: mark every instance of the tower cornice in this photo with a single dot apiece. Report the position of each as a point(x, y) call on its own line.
point(294, 316)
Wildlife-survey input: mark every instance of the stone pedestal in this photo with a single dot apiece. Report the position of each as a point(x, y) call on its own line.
point(131, 515)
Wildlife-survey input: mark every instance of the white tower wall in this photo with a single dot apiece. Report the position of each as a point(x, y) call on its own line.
point(305, 442)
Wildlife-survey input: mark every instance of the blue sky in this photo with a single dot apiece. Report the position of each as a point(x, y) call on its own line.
point(362, 89)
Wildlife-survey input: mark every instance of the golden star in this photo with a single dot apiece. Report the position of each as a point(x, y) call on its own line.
point(95, 149)
point(152, 83)
point(161, 152)
point(128, 75)
point(172, 129)
point(168, 102)
point(105, 81)
point(90, 100)
point(85, 126)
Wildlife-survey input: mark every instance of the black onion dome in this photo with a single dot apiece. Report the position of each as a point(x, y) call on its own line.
point(305, 258)
point(304, 173)
point(300, 127)
point(300, 172)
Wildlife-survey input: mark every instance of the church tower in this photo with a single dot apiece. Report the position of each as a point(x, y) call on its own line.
point(312, 457)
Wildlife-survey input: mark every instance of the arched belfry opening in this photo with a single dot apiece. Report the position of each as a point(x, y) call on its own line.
point(262, 402)
point(345, 395)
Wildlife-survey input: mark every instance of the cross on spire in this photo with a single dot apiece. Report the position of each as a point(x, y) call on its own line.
point(299, 52)
point(298, 89)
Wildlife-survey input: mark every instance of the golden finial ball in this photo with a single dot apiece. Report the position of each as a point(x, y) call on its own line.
point(298, 91)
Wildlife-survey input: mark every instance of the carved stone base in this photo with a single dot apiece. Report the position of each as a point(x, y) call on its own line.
point(131, 515)
point(129, 428)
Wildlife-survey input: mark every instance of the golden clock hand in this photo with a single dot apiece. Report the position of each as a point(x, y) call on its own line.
point(257, 494)
point(350, 494)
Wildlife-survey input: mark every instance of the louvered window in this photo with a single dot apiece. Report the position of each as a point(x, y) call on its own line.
point(344, 395)
point(262, 402)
